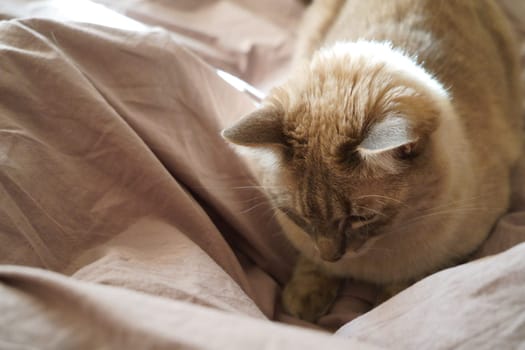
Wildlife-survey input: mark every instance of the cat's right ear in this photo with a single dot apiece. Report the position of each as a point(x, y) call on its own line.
point(262, 127)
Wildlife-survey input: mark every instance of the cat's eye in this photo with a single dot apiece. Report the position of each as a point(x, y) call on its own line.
point(408, 151)
point(358, 221)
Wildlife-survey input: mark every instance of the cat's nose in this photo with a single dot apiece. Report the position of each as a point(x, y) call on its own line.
point(331, 249)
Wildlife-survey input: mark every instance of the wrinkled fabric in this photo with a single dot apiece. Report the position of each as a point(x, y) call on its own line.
point(111, 148)
point(480, 305)
point(45, 310)
point(126, 219)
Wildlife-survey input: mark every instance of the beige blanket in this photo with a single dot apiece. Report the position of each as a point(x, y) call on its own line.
point(126, 222)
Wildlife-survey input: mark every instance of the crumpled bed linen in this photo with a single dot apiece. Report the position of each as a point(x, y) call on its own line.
point(125, 218)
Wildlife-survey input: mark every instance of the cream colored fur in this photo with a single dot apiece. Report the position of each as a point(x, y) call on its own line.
point(401, 116)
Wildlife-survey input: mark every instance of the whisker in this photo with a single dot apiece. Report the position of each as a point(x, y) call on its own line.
point(371, 210)
point(254, 207)
point(256, 187)
point(462, 201)
point(378, 196)
point(450, 212)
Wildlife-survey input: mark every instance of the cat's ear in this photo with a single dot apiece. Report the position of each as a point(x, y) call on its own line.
point(389, 134)
point(263, 127)
point(392, 139)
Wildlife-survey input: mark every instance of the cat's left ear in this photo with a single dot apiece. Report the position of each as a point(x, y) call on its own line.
point(263, 127)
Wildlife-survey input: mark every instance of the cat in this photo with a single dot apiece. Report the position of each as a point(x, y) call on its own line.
point(388, 150)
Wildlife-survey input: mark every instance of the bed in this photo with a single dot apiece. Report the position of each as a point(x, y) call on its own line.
point(127, 222)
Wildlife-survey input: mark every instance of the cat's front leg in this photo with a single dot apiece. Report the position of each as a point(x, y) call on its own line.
point(310, 293)
point(390, 290)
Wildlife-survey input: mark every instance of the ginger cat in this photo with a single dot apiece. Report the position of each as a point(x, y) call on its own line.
point(387, 152)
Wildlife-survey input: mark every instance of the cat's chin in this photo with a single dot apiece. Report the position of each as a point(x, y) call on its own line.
point(358, 246)
point(355, 247)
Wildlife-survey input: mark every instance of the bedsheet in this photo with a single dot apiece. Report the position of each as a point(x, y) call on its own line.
point(126, 220)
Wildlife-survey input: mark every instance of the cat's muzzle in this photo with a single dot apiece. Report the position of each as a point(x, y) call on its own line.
point(331, 249)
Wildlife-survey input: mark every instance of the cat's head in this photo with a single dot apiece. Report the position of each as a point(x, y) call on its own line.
point(345, 144)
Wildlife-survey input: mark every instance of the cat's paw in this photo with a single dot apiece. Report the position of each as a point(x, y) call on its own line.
point(309, 301)
point(390, 290)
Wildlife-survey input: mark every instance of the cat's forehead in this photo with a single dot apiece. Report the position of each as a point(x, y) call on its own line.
point(347, 89)
point(335, 108)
